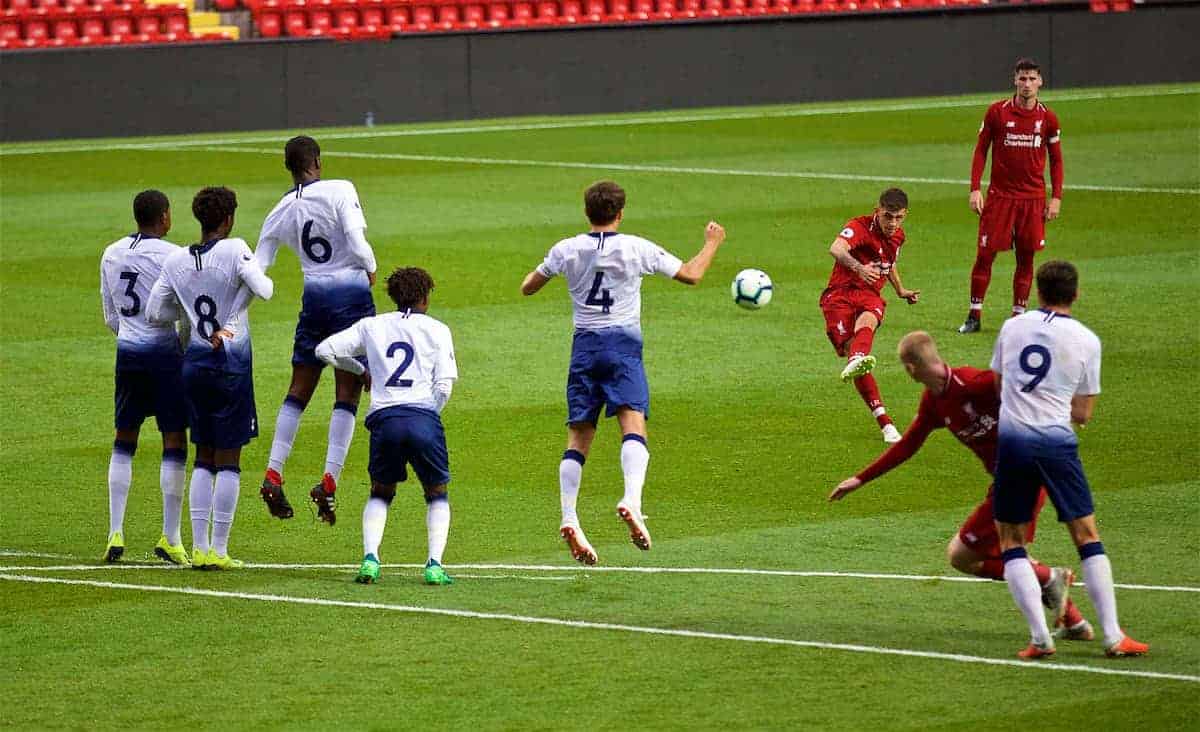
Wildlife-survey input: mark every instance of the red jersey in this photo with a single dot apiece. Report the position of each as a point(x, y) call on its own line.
point(1020, 140)
point(867, 245)
point(969, 407)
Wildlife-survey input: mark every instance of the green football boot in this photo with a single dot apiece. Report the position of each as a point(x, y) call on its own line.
point(857, 366)
point(368, 573)
point(173, 554)
point(115, 548)
point(225, 562)
point(199, 559)
point(435, 574)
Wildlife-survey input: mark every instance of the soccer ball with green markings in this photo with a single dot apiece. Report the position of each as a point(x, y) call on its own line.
point(751, 289)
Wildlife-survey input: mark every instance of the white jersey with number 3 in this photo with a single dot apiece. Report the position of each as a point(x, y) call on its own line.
point(604, 273)
point(128, 270)
point(1044, 359)
point(318, 221)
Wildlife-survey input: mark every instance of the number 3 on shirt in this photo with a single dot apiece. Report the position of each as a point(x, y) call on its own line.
point(605, 300)
point(1039, 370)
point(395, 379)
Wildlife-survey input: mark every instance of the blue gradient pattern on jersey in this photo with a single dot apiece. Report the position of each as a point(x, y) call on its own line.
point(327, 306)
point(234, 357)
point(163, 354)
point(1049, 436)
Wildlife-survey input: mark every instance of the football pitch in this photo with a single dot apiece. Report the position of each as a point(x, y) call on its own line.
point(761, 605)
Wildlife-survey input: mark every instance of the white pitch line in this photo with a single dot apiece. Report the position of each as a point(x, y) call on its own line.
point(34, 555)
point(646, 119)
point(341, 567)
point(598, 568)
point(674, 632)
point(639, 168)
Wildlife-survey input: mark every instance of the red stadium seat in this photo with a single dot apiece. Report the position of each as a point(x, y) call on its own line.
point(296, 22)
point(546, 12)
point(20, 5)
point(48, 4)
point(36, 30)
point(423, 15)
point(93, 28)
point(178, 23)
point(270, 25)
point(147, 24)
point(618, 10)
point(346, 18)
point(474, 16)
point(120, 26)
point(572, 11)
point(65, 30)
point(397, 17)
point(642, 9)
point(10, 31)
point(225, 5)
point(321, 21)
point(372, 16)
point(522, 11)
point(595, 10)
point(447, 16)
point(667, 9)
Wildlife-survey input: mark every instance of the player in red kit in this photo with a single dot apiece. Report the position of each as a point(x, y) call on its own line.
point(964, 401)
point(1022, 133)
point(864, 256)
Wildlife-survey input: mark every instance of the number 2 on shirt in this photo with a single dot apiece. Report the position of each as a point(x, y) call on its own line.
point(395, 379)
point(605, 300)
point(1037, 371)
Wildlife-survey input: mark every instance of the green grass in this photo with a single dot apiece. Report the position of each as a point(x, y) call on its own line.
point(750, 429)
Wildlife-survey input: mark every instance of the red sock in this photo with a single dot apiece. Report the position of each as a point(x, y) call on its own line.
point(981, 277)
point(869, 391)
point(1042, 572)
point(992, 569)
point(1072, 617)
point(860, 344)
point(1022, 281)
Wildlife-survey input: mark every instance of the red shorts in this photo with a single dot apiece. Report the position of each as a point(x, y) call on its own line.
point(841, 307)
point(979, 530)
point(1013, 221)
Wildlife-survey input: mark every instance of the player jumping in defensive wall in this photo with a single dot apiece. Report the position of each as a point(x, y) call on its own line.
point(1048, 369)
point(964, 401)
point(204, 281)
point(147, 375)
point(322, 221)
point(604, 271)
point(864, 255)
point(1021, 132)
point(412, 371)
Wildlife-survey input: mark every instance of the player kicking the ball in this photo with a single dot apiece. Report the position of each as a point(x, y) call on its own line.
point(864, 255)
point(412, 371)
point(322, 221)
point(964, 401)
point(1048, 369)
point(604, 271)
point(147, 374)
point(218, 385)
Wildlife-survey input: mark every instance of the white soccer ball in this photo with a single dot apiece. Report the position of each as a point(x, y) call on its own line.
point(751, 289)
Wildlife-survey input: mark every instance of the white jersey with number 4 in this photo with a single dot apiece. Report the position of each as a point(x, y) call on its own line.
point(204, 280)
point(322, 222)
point(1044, 360)
point(408, 354)
point(604, 273)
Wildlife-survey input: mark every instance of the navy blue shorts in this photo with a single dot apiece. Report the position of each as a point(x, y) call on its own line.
point(324, 312)
point(221, 408)
point(611, 377)
point(1023, 466)
point(141, 393)
point(403, 436)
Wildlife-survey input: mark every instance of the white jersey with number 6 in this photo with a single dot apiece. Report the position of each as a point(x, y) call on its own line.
point(322, 222)
point(410, 355)
point(1044, 360)
point(604, 273)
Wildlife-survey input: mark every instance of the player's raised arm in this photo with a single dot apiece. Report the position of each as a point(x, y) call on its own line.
point(533, 282)
point(694, 269)
point(910, 296)
point(339, 350)
point(840, 251)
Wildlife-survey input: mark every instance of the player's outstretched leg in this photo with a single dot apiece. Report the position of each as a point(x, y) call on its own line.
point(868, 389)
point(437, 524)
point(635, 458)
point(570, 474)
point(860, 361)
point(120, 475)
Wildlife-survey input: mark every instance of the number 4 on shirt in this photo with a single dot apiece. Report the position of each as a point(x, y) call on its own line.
point(605, 300)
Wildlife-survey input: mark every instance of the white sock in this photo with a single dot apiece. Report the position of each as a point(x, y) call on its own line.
point(374, 520)
point(1023, 584)
point(437, 521)
point(634, 460)
point(120, 475)
point(225, 498)
point(170, 479)
point(200, 500)
point(570, 473)
point(286, 425)
point(1097, 573)
point(341, 432)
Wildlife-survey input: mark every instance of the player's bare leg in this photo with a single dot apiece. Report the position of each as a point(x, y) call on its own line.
point(120, 475)
point(437, 525)
point(305, 378)
point(348, 391)
point(1023, 585)
point(171, 479)
point(1097, 573)
point(635, 457)
point(570, 473)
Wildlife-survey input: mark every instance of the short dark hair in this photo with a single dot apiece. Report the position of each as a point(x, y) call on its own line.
point(603, 201)
point(212, 206)
point(1057, 282)
point(409, 287)
point(301, 153)
point(1026, 64)
point(149, 207)
point(893, 199)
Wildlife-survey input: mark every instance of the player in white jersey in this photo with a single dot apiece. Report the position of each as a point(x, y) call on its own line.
point(1048, 373)
point(203, 281)
point(322, 222)
point(412, 371)
point(604, 271)
point(147, 373)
